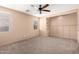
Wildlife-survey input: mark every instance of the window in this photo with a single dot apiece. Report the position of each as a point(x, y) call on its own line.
point(35, 24)
point(4, 22)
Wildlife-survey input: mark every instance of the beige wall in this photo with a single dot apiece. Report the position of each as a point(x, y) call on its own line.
point(43, 27)
point(63, 26)
point(78, 25)
point(20, 27)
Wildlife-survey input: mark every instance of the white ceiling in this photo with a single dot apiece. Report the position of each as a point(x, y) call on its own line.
point(55, 8)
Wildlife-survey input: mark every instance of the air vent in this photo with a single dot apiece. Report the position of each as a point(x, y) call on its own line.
point(27, 10)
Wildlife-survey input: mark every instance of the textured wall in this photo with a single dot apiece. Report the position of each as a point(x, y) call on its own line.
point(21, 27)
point(43, 27)
point(78, 25)
point(63, 26)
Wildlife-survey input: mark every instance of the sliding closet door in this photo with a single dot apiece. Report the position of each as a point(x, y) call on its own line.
point(63, 26)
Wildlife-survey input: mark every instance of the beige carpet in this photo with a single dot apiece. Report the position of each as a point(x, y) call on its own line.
point(41, 45)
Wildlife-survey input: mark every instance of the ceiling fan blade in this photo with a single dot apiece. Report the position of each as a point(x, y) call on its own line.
point(45, 6)
point(46, 10)
point(40, 11)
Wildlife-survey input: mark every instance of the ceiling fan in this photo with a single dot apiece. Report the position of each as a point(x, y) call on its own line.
point(42, 8)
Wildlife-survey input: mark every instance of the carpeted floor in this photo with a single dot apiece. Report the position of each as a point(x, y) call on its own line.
point(41, 45)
